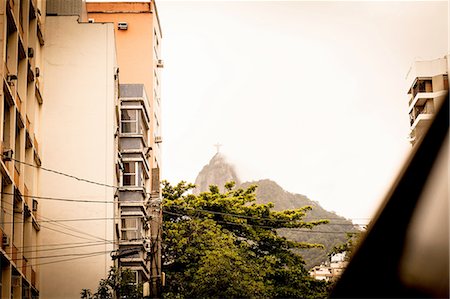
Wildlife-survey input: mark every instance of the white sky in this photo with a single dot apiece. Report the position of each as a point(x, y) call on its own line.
point(309, 94)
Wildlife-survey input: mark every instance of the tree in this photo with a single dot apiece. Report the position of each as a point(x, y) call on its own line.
point(86, 294)
point(225, 245)
point(119, 282)
point(349, 247)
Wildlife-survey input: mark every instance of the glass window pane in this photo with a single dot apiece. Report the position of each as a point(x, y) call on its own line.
point(129, 180)
point(129, 167)
point(129, 127)
point(128, 114)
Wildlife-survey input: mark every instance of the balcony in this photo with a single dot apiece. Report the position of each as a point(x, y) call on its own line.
point(422, 120)
point(38, 91)
point(421, 97)
point(37, 158)
point(40, 31)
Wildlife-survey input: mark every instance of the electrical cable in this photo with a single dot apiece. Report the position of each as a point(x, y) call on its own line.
point(261, 226)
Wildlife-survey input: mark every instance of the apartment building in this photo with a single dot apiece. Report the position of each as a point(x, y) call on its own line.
point(21, 100)
point(427, 83)
point(78, 138)
point(138, 42)
point(81, 153)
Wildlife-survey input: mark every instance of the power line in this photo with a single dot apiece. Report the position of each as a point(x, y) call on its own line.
point(250, 217)
point(63, 255)
point(62, 248)
point(191, 209)
point(262, 226)
point(65, 260)
point(64, 174)
point(71, 200)
point(66, 233)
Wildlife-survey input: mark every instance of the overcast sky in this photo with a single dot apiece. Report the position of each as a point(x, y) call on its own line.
point(309, 94)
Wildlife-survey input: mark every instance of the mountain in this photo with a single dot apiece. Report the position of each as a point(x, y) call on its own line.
point(218, 171)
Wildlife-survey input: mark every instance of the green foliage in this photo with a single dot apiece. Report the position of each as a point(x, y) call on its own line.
point(349, 246)
point(118, 281)
point(329, 235)
point(225, 245)
point(86, 294)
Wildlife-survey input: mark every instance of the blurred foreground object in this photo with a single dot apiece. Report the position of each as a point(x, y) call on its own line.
point(406, 250)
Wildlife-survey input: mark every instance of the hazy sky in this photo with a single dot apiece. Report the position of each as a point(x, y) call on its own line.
point(309, 94)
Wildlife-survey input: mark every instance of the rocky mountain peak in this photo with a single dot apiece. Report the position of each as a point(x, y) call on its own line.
point(217, 172)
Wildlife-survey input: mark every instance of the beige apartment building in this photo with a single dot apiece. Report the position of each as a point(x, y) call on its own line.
point(427, 83)
point(21, 101)
point(78, 127)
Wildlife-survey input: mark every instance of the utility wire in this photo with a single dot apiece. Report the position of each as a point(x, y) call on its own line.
point(262, 226)
point(65, 260)
point(62, 248)
point(63, 255)
point(64, 174)
point(109, 186)
point(190, 209)
point(247, 217)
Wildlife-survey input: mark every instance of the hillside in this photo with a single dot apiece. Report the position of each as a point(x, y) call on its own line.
point(329, 235)
point(218, 171)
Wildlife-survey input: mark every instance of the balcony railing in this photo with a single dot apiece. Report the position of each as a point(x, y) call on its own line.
point(422, 86)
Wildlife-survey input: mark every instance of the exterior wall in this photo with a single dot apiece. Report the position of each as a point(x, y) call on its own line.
point(79, 123)
point(20, 107)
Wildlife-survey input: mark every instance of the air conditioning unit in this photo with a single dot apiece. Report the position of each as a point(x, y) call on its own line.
point(158, 139)
point(35, 205)
point(91, 20)
point(122, 25)
point(147, 245)
point(8, 154)
point(30, 52)
point(5, 240)
point(160, 63)
point(38, 72)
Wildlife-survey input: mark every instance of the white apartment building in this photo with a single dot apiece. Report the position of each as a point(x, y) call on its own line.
point(427, 83)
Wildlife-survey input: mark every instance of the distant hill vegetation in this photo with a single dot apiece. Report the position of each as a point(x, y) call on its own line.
point(219, 171)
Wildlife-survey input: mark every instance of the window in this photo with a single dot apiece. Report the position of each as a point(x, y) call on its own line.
point(130, 122)
point(131, 228)
point(133, 174)
point(134, 278)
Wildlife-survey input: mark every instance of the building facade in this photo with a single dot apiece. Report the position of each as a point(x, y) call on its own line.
point(427, 83)
point(139, 214)
point(81, 154)
point(21, 100)
point(78, 138)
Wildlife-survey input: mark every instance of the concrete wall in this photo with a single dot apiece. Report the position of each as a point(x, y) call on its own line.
point(78, 138)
